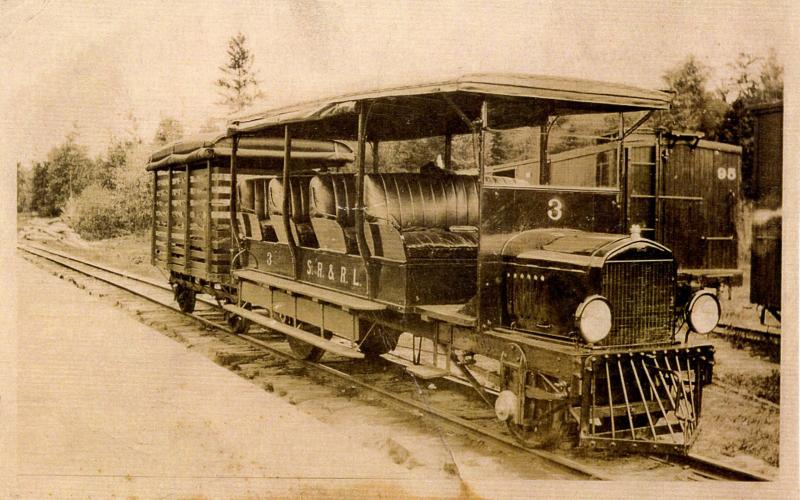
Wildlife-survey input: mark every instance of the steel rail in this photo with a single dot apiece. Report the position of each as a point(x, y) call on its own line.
point(710, 468)
point(705, 467)
point(748, 334)
point(58, 257)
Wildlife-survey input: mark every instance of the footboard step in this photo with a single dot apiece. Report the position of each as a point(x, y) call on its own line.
point(426, 372)
point(297, 333)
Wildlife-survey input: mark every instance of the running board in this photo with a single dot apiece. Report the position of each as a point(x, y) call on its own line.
point(297, 333)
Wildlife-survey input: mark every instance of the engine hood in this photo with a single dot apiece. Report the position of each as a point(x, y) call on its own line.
point(579, 249)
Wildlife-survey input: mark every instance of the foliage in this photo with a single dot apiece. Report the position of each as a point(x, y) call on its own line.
point(694, 106)
point(566, 130)
point(67, 171)
point(409, 156)
point(238, 86)
point(752, 86)
point(169, 130)
point(38, 193)
point(24, 180)
point(94, 214)
point(115, 158)
point(499, 148)
point(103, 212)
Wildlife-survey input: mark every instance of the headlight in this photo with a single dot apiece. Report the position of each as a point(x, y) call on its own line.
point(703, 312)
point(593, 317)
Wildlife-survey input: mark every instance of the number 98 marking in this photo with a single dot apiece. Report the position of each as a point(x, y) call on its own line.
point(556, 209)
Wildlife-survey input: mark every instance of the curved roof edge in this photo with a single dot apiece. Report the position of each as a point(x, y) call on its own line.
point(501, 85)
point(207, 146)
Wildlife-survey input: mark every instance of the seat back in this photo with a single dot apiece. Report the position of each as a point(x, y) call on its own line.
point(333, 196)
point(409, 200)
point(253, 196)
point(298, 198)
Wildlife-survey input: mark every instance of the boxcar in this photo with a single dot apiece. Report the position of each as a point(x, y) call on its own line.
point(681, 190)
point(765, 263)
point(577, 331)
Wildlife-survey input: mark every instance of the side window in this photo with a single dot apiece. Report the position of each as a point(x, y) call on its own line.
point(606, 169)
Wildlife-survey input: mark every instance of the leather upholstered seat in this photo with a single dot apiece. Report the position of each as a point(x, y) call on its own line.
point(299, 220)
point(332, 206)
point(436, 243)
point(254, 220)
point(415, 216)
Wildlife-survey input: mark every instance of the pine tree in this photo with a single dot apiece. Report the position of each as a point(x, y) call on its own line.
point(238, 88)
point(499, 149)
point(694, 106)
point(169, 130)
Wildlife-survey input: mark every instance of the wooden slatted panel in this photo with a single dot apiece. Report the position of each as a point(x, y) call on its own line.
point(192, 205)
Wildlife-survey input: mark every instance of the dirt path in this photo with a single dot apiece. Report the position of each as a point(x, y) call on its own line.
point(106, 406)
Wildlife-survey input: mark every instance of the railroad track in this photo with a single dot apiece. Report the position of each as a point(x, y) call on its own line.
point(211, 316)
point(764, 337)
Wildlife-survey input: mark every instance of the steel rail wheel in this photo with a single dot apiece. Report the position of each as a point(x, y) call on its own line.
point(185, 297)
point(304, 350)
point(238, 324)
point(379, 340)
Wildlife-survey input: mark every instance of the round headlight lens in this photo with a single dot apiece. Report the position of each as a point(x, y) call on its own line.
point(594, 318)
point(704, 312)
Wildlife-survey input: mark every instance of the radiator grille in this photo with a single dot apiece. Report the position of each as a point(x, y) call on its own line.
point(642, 296)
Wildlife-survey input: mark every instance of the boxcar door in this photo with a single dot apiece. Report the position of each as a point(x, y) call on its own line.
point(682, 224)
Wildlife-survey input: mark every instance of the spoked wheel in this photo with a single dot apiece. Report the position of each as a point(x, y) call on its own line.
point(546, 430)
point(238, 324)
point(185, 297)
point(536, 437)
point(378, 340)
point(304, 350)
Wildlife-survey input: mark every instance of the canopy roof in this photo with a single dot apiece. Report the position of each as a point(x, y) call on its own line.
point(263, 151)
point(423, 110)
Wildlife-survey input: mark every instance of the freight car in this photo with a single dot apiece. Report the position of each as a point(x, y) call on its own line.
point(192, 198)
point(765, 263)
point(580, 333)
point(680, 189)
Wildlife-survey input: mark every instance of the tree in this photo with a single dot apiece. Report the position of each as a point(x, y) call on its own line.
point(169, 130)
point(67, 171)
point(499, 149)
point(694, 106)
point(751, 85)
point(410, 155)
point(238, 86)
point(24, 188)
point(40, 199)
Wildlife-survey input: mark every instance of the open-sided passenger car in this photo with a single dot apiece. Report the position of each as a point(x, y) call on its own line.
point(573, 330)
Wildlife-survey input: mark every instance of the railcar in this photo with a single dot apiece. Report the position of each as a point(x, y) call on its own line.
point(191, 230)
point(682, 190)
point(765, 263)
point(566, 329)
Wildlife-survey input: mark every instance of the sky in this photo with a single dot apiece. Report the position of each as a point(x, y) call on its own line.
point(108, 68)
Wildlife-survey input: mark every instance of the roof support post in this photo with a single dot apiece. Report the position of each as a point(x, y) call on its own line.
point(448, 151)
point(287, 193)
point(544, 167)
point(658, 170)
point(481, 175)
point(622, 168)
point(234, 197)
point(361, 240)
